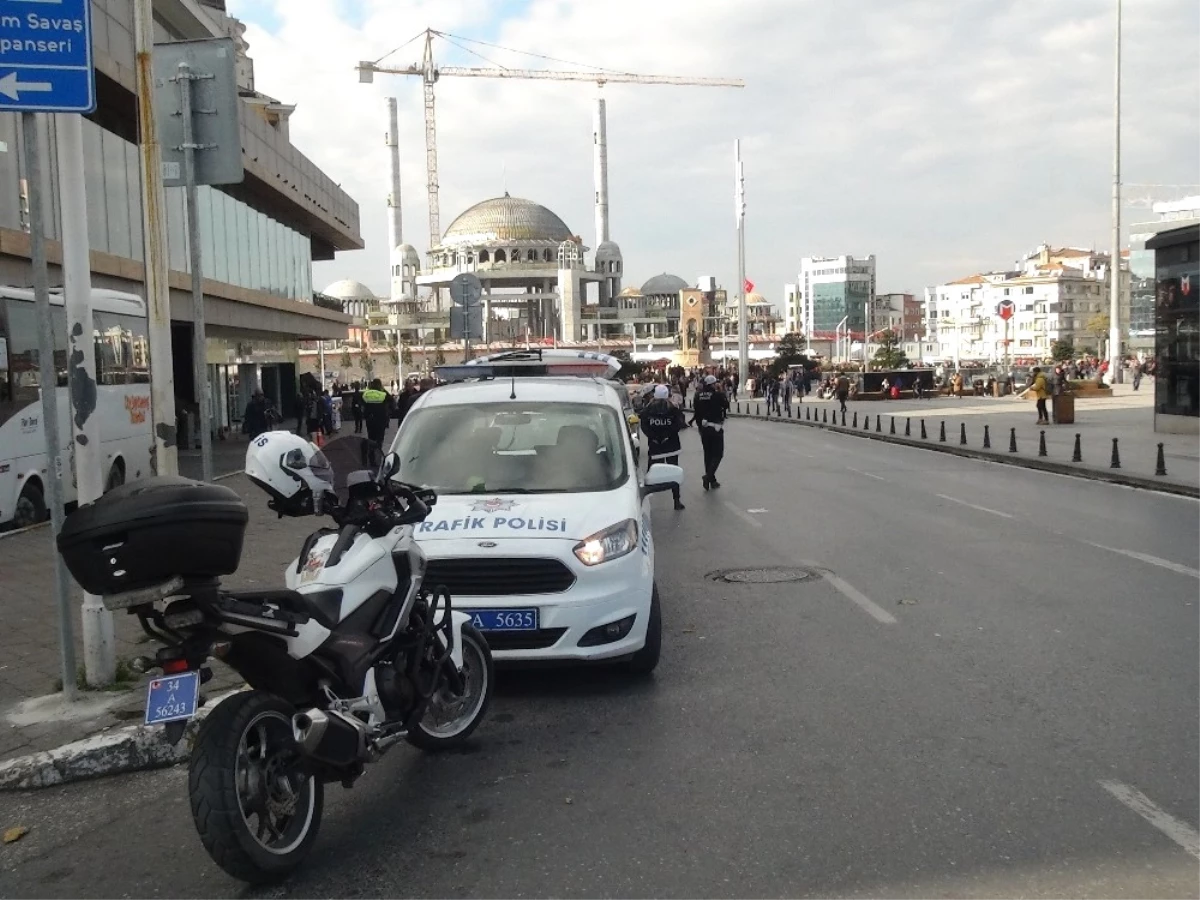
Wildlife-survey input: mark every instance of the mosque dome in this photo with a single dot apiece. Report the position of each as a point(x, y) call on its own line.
point(506, 219)
point(348, 289)
point(664, 284)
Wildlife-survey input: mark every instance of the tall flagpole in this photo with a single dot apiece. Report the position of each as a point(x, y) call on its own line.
point(740, 204)
point(1114, 300)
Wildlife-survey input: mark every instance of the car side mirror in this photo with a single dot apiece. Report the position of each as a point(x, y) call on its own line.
point(662, 477)
point(389, 467)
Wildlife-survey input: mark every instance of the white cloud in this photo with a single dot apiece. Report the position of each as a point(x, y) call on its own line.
point(938, 134)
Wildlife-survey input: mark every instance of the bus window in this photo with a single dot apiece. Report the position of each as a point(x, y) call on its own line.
point(122, 349)
point(19, 385)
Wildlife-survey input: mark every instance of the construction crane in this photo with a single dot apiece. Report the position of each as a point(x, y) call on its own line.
point(429, 73)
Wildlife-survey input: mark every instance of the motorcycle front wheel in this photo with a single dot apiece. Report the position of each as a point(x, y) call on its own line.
point(450, 718)
point(256, 809)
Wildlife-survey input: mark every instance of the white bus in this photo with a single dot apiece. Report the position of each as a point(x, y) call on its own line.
point(122, 403)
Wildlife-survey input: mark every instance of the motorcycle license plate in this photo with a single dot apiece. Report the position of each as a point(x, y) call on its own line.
point(172, 698)
point(504, 619)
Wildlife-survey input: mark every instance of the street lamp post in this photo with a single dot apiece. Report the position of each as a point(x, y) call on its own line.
point(1114, 300)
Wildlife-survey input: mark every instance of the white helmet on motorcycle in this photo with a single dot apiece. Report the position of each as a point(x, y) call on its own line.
point(293, 471)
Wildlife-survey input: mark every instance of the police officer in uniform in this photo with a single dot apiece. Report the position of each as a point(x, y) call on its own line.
point(711, 408)
point(661, 423)
point(377, 405)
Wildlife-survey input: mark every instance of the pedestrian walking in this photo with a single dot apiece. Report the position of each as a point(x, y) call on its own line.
point(711, 410)
point(842, 388)
point(377, 410)
point(661, 424)
point(254, 419)
point(356, 407)
point(1038, 386)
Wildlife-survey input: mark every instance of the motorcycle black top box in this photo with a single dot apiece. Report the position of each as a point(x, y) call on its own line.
point(144, 533)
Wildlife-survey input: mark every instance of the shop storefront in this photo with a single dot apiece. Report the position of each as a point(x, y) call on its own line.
point(237, 368)
point(1177, 330)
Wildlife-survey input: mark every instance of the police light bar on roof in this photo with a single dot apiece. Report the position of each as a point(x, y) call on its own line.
point(524, 363)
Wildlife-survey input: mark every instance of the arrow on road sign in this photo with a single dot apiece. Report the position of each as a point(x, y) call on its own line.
point(11, 88)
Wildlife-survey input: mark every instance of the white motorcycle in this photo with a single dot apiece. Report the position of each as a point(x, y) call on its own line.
point(352, 657)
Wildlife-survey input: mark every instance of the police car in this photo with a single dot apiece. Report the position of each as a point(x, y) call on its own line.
point(541, 531)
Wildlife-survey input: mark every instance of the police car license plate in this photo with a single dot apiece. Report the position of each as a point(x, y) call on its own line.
point(504, 619)
point(172, 698)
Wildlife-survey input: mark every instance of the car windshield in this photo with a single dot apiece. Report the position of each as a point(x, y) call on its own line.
point(524, 448)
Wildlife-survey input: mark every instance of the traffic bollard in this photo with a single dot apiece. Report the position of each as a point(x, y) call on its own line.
point(739, 407)
point(878, 424)
point(892, 427)
point(1116, 457)
point(987, 438)
point(1160, 466)
point(867, 422)
point(908, 427)
point(942, 433)
point(924, 436)
point(825, 417)
point(1012, 440)
point(1042, 444)
point(855, 424)
point(962, 434)
point(843, 418)
point(1077, 455)
point(807, 417)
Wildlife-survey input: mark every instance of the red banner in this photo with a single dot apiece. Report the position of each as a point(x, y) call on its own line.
point(748, 286)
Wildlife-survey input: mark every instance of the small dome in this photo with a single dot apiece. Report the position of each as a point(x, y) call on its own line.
point(406, 251)
point(506, 219)
point(608, 250)
point(664, 284)
point(755, 299)
point(630, 292)
point(347, 289)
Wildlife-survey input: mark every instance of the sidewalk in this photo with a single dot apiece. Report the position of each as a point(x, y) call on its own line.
point(29, 646)
point(1127, 416)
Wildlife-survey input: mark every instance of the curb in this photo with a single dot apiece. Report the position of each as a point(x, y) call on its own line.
point(132, 748)
point(1111, 477)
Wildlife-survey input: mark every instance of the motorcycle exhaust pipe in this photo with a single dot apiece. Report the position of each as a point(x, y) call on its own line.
point(330, 737)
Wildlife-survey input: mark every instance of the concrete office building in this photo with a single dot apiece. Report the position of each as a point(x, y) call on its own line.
point(259, 238)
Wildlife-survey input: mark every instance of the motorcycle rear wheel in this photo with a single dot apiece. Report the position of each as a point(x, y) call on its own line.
point(450, 719)
point(245, 765)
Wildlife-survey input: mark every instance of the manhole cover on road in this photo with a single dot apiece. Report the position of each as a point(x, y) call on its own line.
point(763, 575)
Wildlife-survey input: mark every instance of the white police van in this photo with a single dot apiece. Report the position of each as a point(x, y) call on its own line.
point(541, 531)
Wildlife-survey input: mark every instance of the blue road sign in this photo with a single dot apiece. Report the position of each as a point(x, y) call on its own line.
point(46, 56)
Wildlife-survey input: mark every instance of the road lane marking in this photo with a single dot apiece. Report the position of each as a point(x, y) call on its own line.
point(868, 474)
point(857, 597)
point(994, 512)
point(1147, 558)
point(744, 516)
point(1180, 832)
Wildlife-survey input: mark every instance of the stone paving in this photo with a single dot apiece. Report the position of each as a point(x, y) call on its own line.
point(29, 646)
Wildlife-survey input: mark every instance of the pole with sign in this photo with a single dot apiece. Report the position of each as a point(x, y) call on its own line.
point(49, 76)
point(196, 107)
point(466, 317)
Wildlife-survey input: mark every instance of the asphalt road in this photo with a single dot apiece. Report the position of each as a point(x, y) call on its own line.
point(991, 689)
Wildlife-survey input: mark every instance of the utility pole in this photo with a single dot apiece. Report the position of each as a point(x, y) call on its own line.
point(199, 341)
point(99, 647)
point(740, 207)
point(1114, 300)
point(165, 455)
point(48, 382)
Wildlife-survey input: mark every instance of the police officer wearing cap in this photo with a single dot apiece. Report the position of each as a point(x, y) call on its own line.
point(661, 423)
point(710, 410)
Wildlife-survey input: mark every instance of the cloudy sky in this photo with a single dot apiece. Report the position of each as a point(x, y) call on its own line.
point(944, 136)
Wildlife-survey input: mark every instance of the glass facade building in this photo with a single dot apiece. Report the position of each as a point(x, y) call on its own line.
point(1177, 325)
point(239, 244)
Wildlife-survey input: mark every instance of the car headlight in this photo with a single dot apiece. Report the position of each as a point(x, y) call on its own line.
point(611, 543)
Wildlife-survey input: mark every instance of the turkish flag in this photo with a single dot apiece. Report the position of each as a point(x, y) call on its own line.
point(748, 286)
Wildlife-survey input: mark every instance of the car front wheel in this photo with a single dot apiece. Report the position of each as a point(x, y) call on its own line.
point(645, 660)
